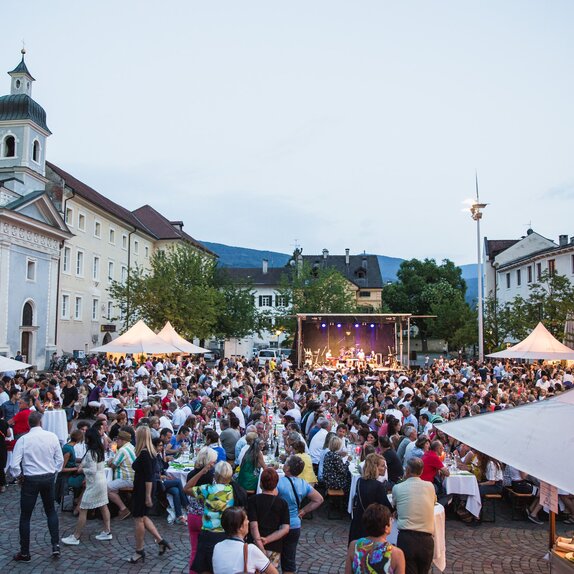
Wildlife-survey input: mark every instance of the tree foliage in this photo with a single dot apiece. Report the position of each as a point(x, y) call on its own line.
point(185, 288)
point(550, 300)
point(426, 288)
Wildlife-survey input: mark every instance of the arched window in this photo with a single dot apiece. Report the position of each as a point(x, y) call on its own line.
point(36, 151)
point(9, 146)
point(27, 315)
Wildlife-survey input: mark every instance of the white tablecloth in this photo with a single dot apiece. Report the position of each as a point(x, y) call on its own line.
point(354, 479)
point(439, 559)
point(178, 473)
point(55, 421)
point(110, 403)
point(468, 485)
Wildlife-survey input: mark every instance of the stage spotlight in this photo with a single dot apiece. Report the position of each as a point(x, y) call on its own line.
point(323, 325)
point(372, 325)
point(338, 325)
point(356, 325)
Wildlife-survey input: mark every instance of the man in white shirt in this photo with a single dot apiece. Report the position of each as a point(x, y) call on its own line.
point(142, 390)
point(236, 410)
point(180, 414)
point(293, 410)
point(37, 457)
point(316, 444)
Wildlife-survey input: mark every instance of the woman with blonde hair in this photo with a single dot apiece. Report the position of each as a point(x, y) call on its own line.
point(216, 498)
point(144, 472)
point(369, 490)
point(206, 458)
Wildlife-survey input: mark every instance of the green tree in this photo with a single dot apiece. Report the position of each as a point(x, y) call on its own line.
point(550, 300)
point(185, 288)
point(426, 288)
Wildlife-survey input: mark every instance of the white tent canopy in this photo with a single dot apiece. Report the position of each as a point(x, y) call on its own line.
point(7, 365)
point(140, 339)
point(171, 336)
point(540, 344)
point(537, 438)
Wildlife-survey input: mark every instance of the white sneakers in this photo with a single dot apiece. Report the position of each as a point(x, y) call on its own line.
point(70, 540)
point(104, 536)
point(73, 541)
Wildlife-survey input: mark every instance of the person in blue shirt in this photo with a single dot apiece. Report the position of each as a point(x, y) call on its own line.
point(293, 490)
point(212, 441)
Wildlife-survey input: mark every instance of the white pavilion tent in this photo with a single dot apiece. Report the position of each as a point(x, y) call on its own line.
point(140, 339)
point(7, 364)
point(537, 438)
point(540, 344)
point(171, 336)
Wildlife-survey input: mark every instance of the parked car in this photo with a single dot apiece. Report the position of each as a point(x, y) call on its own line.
point(265, 355)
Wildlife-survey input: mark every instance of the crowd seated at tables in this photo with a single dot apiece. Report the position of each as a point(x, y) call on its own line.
point(333, 424)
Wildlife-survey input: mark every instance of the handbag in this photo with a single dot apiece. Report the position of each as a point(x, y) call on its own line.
point(245, 560)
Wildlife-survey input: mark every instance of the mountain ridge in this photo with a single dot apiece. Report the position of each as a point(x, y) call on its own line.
point(234, 256)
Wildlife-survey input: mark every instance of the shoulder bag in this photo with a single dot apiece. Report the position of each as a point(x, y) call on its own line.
point(245, 560)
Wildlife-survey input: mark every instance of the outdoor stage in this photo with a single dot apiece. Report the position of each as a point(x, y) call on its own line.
point(353, 341)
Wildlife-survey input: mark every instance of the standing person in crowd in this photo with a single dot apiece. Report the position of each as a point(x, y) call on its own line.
point(251, 463)
point(216, 498)
point(20, 421)
point(37, 457)
point(207, 457)
point(96, 493)
point(269, 517)
point(123, 472)
point(229, 437)
point(336, 473)
point(5, 437)
point(70, 396)
point(234, 554)
point(372, 553)
point(369, 490)
point(293, 490)
point(414, 500)
point(142, 499)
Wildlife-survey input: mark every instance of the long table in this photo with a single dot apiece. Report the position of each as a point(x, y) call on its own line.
point(465, 483)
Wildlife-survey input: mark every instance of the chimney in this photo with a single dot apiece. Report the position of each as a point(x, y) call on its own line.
point(325, 253)
point(562, 240)
point(177, 224)
point(347, 258)
point(265, 266)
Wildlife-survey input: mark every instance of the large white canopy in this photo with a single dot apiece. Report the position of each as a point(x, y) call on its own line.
point(140, 339)
point(540, 344)
point(171, 336)
point(537, 438)
point(7, 364)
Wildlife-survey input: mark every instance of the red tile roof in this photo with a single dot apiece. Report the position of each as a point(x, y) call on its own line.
point(163, 228)
point(98, 199)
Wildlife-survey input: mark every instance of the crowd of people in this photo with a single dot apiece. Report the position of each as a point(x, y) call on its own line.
point(267, 444)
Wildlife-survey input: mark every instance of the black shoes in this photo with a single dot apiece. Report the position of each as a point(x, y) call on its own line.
point(55, 551)
point(163, 546)
point(22, 557)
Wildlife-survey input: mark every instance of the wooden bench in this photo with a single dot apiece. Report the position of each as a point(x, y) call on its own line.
point(335, 499)
point(519, 502)
point(490, 498)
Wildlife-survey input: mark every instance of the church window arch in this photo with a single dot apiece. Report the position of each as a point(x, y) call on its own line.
point(28, 314)
point(9, 146)
point(36, 151)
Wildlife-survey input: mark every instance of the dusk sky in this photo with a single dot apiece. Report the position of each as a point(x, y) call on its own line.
point(337, 123)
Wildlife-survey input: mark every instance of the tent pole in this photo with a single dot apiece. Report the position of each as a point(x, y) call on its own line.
point(552, 530)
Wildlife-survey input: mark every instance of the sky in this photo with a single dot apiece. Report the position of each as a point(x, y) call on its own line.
point(328, 123)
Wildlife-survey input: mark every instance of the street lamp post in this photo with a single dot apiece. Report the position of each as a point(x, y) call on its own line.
point(476, 213)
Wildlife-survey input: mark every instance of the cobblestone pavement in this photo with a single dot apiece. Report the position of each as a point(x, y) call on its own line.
point(505, 547)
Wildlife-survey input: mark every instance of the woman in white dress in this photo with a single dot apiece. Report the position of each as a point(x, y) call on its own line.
point(96, 493)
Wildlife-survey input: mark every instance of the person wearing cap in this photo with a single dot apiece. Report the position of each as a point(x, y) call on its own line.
point(123, 472)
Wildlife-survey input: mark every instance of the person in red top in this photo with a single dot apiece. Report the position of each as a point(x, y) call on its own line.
point(19, 421)
point(433, 465)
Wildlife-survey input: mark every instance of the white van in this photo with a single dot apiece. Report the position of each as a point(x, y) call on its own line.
point(265, 355)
